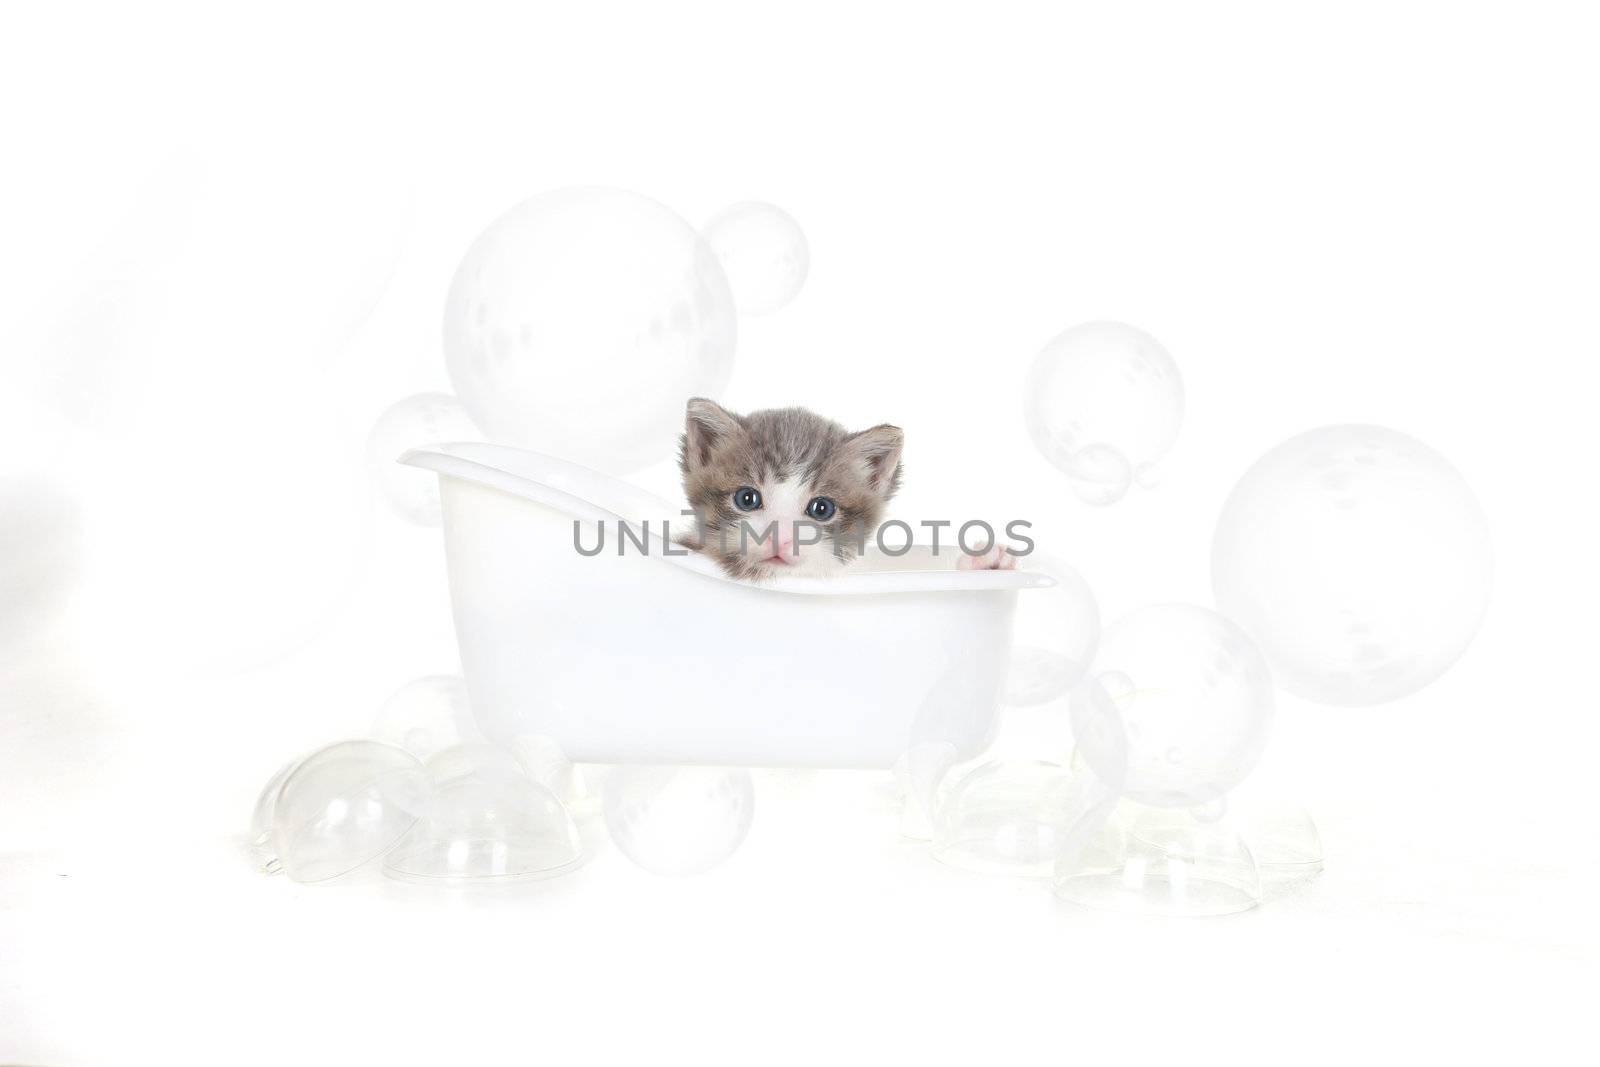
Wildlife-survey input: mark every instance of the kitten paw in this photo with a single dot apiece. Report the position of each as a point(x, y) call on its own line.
point(995, 559)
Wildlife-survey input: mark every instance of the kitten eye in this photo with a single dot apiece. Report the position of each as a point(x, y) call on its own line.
point(746, 498)
point(821, 509)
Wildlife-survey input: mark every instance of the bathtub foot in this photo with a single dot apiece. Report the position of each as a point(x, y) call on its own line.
point(918, 774)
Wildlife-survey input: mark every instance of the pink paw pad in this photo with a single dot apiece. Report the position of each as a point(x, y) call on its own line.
point(995, 559)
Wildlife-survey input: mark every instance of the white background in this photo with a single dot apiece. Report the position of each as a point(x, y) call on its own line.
point(226, 241)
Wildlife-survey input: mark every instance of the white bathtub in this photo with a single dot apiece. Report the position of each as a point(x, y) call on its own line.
point(662, 659)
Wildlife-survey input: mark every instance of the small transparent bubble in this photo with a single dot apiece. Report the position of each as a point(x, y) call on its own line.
point(1104, 384)
point(424, 419)
point(762, 251)
point(678, 821)
point(425, 716)
point(1099, 475)
point(1181, 710)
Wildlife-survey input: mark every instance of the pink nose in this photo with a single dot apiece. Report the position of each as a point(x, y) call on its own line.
point(784, 548)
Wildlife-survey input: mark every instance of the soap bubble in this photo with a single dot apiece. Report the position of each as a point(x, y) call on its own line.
point(579, 323)
point(426, 716)
point(424, 419)
point(1099, 475)
point(1054, 634)
point(762, 251)
point(1179, 707)
point(1358, 558)
point(1103, 386)
point(679, 820)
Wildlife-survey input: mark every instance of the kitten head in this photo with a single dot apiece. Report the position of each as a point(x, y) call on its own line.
point(785, 491)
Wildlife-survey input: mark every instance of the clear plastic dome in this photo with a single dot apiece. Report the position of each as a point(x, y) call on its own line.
point(486, 825)
point(1283, 838)
point(1014, 817)
point(343, 806)
point(1160, 861)
point(261, 849)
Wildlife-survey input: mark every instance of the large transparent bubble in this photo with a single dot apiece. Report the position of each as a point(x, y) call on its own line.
point(1179, 707)
point(1099, 474)
point(763, 252)
point(679, 821)
point(1358, 558)
point(1104, 399)
point(424, 419)
point(581, 320)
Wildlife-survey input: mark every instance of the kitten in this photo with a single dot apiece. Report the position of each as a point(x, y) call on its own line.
point(811, 493)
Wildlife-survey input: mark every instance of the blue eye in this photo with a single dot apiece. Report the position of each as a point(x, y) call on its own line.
point(821, 509)
point(746, 499)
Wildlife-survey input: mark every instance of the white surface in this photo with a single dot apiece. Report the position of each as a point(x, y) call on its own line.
point(1380, 213)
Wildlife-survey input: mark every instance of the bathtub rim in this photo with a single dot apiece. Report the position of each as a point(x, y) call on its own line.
point(493, 466)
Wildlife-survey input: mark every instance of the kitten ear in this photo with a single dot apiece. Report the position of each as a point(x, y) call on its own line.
point(876, 455)
point(706, 425)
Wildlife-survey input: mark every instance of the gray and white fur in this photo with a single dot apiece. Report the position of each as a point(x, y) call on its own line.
point(819, 492)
